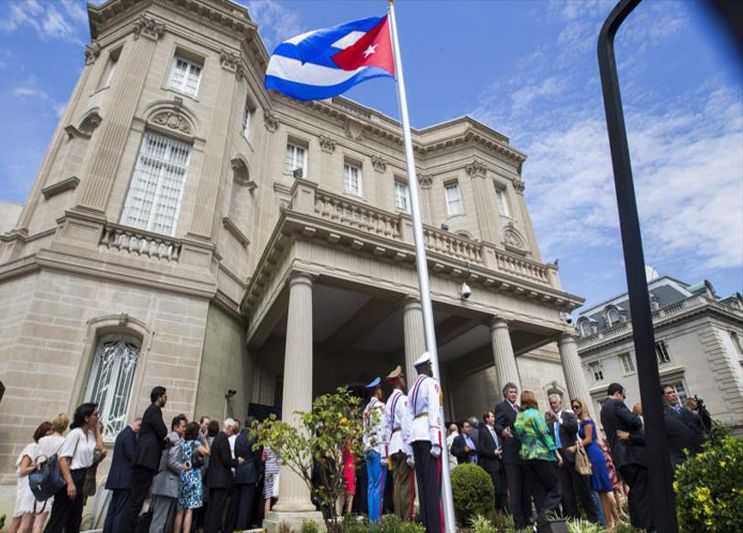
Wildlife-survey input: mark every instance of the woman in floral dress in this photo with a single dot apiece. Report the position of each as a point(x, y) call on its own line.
point(190, 489)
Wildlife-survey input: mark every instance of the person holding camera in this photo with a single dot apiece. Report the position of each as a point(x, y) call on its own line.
point(190, 495)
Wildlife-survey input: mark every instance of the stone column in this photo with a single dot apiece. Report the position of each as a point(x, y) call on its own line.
point(575, 379)
point(415, 340)
point(505, 361)
point(294, 505)
point(484, 194)
point(112, 134)
point(211, 186)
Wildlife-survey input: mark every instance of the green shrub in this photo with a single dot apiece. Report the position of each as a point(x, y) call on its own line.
point(390, 523)
point(481, 524)
point(309, 526)
point(503, 522)
point(583, 526)
point(354, 523)
point(709, 490)
point(473, 492)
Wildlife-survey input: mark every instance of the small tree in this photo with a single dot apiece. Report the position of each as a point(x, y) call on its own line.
point(316, 446)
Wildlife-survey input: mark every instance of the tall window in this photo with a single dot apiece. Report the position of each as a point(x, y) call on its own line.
point(597, 370)
point(661, 352)
point(453, 199)
point(352, 179)
point(628, 364)
point(110, 382)
point(296, 157)
point(401, 195)
point(501, 196)
point(247, 116)
point(157, 184)
point(185, 76)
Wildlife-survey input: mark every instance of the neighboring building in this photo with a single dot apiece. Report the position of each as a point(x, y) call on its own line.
point(188, 229)
point(9, 213)
point(698, 343)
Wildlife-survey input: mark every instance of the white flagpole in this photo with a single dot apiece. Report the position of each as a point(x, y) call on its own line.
point(422, 265)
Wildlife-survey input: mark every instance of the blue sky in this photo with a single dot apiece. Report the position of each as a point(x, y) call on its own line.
point(525, 68)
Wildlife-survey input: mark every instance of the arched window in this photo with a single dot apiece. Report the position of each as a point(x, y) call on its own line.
point(111, 377)
point(612, 315)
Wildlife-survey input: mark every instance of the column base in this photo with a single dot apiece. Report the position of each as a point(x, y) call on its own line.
point(274, 522)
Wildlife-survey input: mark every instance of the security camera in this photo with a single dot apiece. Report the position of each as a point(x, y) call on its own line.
point(230, 393)
point(465, 291)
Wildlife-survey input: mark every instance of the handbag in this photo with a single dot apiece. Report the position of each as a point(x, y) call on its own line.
point(197, 460)
point(582, 462)
point(46, 480)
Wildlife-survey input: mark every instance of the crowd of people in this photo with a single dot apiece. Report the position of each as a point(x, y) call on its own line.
point(194, 477)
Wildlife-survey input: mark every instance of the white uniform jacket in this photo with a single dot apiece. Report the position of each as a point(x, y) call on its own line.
point(425, 409)
point(374, 438)
point(398, 422)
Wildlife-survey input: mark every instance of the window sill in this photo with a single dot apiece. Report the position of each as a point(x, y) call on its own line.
point(99, 90)
point(456, 215)
point(355, 196)
point(180, 93)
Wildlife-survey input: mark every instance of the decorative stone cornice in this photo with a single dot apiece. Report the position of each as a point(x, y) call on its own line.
point(378, 163)
point(92, 51)
point(148, 28)
point(173, 120)
point(425, 180)
point(476, 169)
point(327, 144)
point(270, 121)
point(519, 186)
point(67, 184)
point(232, 62)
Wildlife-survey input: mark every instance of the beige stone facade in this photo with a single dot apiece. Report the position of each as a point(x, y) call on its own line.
point(699, 346)
point(271, 284)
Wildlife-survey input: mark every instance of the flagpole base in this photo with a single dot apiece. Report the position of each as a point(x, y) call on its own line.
point(278, 520)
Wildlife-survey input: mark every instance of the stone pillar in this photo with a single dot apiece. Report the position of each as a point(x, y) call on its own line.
point(505, 361)
point(415, 340)
point(485, 200)
point(112, 134)
point(294, 505)
point(211, 185)
point(575, 379)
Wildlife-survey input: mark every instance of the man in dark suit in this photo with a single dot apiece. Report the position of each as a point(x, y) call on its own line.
point(150, 444)
point(464, 447)
point(505, 416)
point(219, 477)
point(564, 427)
point(490, 457)
point(119, 480)
point(626, 440)
point(246, 479)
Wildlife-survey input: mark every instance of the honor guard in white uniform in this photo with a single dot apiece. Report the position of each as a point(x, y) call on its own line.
point(375, 453)
point(425, 439)
point(398, 423)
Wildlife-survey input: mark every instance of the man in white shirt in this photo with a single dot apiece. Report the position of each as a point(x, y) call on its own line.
point(375, 448)
point(398, 423)
point(425, 439)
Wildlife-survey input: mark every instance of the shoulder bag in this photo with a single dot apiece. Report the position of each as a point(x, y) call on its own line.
point(582, 462)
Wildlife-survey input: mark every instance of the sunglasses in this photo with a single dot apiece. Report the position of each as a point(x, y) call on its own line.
point(575, 406)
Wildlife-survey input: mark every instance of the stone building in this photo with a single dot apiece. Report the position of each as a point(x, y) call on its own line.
point(188, 229)
point(698, 343)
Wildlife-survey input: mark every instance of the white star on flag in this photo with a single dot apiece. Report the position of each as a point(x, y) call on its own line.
point(371, 50)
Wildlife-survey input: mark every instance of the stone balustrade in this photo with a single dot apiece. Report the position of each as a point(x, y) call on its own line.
point(134, 241)
point(522, 267)
point(452, 245)
point(356, 215)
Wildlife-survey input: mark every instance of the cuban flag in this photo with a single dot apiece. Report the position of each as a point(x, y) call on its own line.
point(325, 63)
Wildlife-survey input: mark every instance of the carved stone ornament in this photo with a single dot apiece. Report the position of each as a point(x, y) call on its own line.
point(378, 163)
point(123, 319)
point(92, 51)
point(512, 238)
point(232, 62)
point(149, 28)
point(327, 144)
point(519, 185)
point(476, 169)
point(425, 180)
point(354, 129)
point(173, 120)
point(270, 121)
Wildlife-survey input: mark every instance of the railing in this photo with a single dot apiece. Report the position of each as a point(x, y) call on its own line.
point(124, 239)
point(450, 244)
point(357, 215)
point(522, 267)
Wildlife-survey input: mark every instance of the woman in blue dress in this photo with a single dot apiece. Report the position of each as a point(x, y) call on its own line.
point(600, 481)
point(190, 488)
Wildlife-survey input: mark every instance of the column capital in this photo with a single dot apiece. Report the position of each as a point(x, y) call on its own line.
point(301, 278)
point(567, 338)
point(498, 322)
point(411, 301)
point(149, 28)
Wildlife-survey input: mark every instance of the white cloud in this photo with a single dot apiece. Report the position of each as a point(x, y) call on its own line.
point(46, 19)
point(275, 22)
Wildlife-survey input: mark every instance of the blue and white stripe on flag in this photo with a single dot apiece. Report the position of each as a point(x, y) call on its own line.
point(303, 67)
